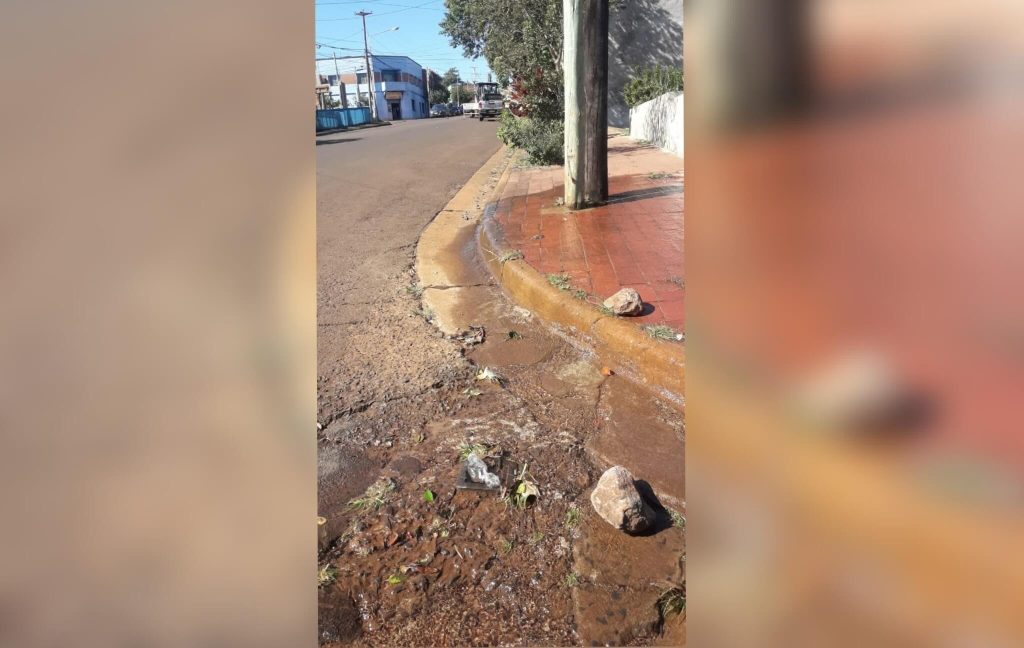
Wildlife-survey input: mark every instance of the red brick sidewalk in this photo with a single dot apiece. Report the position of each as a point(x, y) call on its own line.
point(634, 241)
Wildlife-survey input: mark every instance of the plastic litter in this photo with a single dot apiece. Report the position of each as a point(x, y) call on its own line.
point(505, 470)
point(477, 472)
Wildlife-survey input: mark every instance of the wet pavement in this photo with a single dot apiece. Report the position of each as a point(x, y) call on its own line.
point(468, 567)
point(635, 241)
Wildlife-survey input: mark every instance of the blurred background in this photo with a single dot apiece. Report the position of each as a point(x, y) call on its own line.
point(856, 335)
point(157, 335)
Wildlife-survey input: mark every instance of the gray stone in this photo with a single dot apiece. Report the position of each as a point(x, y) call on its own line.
point(616, 499)
point(625, 302)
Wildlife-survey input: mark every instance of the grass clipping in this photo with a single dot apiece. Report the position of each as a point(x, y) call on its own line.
point(376, 496)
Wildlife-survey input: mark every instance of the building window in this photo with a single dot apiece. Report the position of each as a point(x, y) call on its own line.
point(360, 77)
point(389, 75)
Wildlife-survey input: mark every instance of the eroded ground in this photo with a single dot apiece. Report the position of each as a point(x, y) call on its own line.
point(469, 568)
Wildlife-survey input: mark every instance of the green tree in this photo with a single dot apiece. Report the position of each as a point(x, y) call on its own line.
point(450, 78)
point(438, 95)
point(458, 93)
point(521, 41)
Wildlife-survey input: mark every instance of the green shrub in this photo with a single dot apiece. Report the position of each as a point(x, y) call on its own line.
point(652, 82)
point(542, 139)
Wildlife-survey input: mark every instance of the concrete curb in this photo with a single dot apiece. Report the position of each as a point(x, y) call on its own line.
point(438, 264)
point(349, 129)
point(621, 344)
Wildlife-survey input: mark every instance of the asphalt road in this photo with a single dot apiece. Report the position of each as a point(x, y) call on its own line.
point(377, 188)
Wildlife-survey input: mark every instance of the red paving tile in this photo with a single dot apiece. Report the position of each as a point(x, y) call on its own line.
point(634, 243)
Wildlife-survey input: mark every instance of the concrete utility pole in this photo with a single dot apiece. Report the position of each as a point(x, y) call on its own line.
point(337, 75)
point(585, 56)
point(369, 68)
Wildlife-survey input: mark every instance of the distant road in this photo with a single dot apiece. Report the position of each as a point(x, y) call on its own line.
point(378, 187)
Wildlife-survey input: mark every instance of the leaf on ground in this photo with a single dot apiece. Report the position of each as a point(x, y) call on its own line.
point(428, 495)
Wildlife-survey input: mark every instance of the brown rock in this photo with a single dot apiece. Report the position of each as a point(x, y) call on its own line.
point(615, 498)
point(625, 302)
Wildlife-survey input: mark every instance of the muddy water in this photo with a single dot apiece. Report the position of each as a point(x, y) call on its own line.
point(467, 568)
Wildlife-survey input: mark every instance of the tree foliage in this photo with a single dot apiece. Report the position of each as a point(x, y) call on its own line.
point(542, 139)
point(460, 93)
point(521, 41)
point(652, 82)
point(438, 95)
point(451, 77)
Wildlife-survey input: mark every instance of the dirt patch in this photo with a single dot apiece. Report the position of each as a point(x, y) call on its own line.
point(466, 568)
point(421, 562)
point(339, 620)
point(343, 471)
point(621, 578)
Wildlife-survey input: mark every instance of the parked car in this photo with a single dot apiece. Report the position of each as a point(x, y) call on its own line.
point(440, 110)
point(454, 109)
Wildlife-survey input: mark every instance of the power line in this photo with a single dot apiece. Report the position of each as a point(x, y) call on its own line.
point(345, 38)
point(352, 49)
point(339, 40)
point(375, 4)
point(422, 7)
point(419, 6)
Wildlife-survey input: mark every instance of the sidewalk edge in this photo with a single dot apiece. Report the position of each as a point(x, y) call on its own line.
point(623, 346)
point(349, 129)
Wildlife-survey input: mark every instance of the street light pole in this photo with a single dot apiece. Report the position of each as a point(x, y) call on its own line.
point(369, 68)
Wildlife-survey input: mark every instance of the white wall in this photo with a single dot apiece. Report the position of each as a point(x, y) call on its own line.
point(660, 121)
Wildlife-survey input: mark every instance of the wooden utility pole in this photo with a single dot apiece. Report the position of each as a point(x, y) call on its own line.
point(369, 70)
point(585, 56)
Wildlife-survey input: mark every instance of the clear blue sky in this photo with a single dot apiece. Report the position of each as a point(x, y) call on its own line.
point(418, 36)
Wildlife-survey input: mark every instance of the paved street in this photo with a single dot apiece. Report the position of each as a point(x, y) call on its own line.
point(376, 190)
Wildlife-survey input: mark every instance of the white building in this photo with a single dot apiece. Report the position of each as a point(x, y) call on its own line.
point(399, 84)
